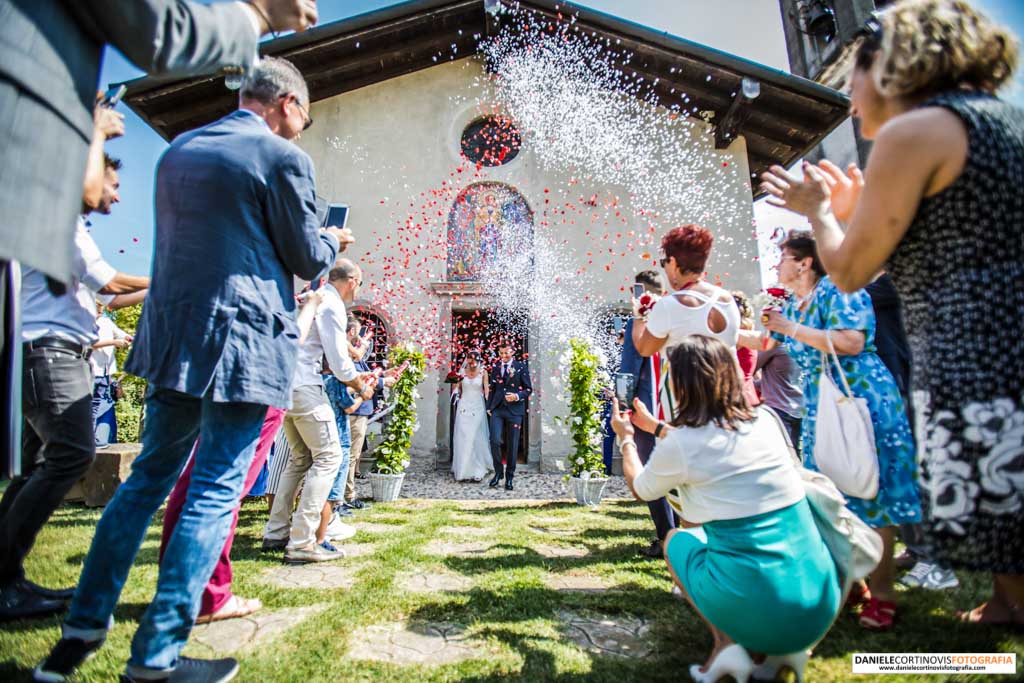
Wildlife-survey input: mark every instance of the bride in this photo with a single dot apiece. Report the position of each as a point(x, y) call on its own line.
point(471, 459)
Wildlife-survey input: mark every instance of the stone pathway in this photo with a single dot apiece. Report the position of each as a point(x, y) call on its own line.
point(233, 635)
point(456, 549)
point(439, 484)
point(556, 551)
point(464, 531)
point(605, 635)
point(430, 643)
point(325, 575)
point(433, 581)
point(576, 583)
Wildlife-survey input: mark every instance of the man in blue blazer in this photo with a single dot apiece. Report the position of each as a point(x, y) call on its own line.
point(647, 391)
point(235, 221)
point(506, 407)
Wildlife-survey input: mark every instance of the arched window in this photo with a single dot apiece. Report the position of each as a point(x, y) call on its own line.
point(486, 219)
point(372, 321)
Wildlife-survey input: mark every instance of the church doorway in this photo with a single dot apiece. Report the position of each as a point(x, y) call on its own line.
point(479, 330)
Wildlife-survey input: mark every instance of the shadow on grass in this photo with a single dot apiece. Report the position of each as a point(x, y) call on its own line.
point(517, 557)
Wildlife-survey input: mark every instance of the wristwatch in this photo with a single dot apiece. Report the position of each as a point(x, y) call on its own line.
point(659, 429)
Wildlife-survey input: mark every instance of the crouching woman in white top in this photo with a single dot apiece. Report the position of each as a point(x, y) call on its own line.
point(762, 579)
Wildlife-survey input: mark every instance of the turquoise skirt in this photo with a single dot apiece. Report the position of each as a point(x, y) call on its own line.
point(767, 581)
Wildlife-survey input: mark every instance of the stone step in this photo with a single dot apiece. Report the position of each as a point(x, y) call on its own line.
point(111, 467)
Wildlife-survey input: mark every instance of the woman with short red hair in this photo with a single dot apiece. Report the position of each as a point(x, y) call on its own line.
point(693, 307)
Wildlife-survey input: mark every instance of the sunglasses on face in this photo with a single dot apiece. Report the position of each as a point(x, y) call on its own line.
point(307, 120)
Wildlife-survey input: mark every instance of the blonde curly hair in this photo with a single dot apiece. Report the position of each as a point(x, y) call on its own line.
point(931, 46)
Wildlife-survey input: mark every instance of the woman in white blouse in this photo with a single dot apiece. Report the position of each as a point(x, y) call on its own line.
point(749, 558)
point(694, 306)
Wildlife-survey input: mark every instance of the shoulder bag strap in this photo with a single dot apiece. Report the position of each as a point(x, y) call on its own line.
point(832, 357)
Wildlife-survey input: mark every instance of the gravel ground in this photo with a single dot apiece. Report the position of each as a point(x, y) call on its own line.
point(439, 484)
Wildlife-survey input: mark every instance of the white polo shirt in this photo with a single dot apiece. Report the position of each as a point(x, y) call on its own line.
point(73, 315)
point(328, 338)
point(723, 474)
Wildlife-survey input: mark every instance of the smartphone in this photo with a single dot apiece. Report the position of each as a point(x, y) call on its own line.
point(625, 389)
point(114, 94)
point(617, 324)
point(337, 216)
point(638, 290)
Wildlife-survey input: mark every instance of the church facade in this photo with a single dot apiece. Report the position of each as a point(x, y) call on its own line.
point(390, 140)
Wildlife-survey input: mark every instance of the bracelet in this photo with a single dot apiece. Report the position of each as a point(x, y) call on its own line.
point(627, 442)
point(259, 10)
point(793, 333)
point(659, 429)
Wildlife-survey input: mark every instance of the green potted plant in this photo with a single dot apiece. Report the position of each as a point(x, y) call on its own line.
point(584, 389)
point(392, 452)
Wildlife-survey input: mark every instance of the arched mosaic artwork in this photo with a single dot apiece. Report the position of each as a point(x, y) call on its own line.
point(482, 222)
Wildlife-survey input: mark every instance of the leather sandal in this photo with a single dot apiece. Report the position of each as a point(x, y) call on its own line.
point(235, 608)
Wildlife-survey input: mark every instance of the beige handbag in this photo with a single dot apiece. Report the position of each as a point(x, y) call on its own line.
point(844, 437)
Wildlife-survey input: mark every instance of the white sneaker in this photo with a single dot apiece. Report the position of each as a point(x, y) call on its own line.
point(916, 577)
point(325, 552)
point(940, 579)
point(337, 530)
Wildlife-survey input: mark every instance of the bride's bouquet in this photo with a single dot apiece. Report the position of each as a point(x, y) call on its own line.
point(772, 298)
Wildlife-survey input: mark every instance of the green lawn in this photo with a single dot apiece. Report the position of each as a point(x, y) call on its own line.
point(509, 609)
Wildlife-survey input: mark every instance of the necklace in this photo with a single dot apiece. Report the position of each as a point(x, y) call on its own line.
point(801, 301)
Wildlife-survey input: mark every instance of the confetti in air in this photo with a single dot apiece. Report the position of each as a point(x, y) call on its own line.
point(626, 160)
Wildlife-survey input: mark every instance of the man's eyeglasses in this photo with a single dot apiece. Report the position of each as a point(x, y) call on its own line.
point(307, 120)
point(664, 261)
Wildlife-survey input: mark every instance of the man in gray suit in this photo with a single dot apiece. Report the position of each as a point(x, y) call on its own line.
point(236, 220)
point(50, 55)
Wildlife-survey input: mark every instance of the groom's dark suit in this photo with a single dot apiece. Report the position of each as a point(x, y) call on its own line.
point(502, 412)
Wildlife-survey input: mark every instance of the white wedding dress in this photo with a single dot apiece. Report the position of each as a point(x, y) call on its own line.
point(472, 453)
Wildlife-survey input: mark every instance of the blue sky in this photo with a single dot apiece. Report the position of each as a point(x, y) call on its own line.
point(126, 236)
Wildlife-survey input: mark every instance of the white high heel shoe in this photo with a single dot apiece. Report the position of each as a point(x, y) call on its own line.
point(733, 661)
point(771, 667)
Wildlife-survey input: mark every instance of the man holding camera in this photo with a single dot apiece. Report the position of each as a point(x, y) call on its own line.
point(235, 222)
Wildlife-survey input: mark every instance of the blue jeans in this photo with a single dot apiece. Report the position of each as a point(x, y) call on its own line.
point(338, 395)
point(173, 421)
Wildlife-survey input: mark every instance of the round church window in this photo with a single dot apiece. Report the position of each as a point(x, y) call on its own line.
point(491, 141)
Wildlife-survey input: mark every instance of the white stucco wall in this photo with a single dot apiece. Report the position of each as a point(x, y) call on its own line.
point(400, 138)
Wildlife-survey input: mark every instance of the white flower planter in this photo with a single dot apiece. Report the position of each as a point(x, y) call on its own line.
point(386, 487)
point(588, 490)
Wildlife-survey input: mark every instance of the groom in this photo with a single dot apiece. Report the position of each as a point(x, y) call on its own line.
point(506, 405)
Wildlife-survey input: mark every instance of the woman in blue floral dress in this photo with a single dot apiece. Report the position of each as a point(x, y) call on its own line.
point(850, 320)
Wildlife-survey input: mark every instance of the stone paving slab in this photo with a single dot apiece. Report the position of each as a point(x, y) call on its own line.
point(458, 549)
point(554, 530)
point(429, 643)
point(322, 575)
point(577, 583)
point(433, 581)
point(234, 635)
point(376, 527)
point(556, 551)
point(464, 531)
point(606, 635)
point(357, 549)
